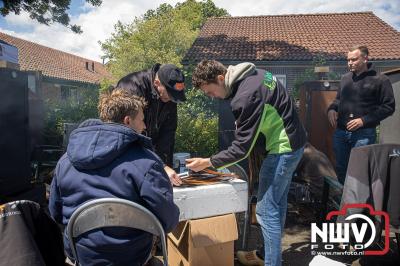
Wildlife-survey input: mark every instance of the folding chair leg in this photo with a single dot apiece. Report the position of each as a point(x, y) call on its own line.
point(245, 228)
point(164, 250)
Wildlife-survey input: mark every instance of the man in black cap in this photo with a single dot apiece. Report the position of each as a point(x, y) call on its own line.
point(162, 87)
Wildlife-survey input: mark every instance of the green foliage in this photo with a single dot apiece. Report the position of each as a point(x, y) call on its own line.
point(197, 101)
point(196, 134)
point(140, 45)
point(44, 11)
point(197, 130)
point(69, 111)
point(164, 35)
point(106, 84)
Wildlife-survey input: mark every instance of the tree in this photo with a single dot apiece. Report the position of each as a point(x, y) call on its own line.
point(44, 11)
point(161, 35)
point(164, 35)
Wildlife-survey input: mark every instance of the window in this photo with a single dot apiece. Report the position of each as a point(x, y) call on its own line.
point(32, 83)
point(282, 79)
point(69, 93)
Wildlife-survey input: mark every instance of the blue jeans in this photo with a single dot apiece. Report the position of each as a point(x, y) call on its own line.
point(344, 141)
point(274, 181)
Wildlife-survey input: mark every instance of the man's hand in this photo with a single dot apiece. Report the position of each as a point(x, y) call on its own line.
point(354, 124)
point(173, 176)
point(332, 116)
point(198, 164)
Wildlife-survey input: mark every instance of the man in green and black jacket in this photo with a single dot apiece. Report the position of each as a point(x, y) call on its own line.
point(262, 107)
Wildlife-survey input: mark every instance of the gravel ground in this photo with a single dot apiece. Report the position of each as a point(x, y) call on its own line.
point(296, 241)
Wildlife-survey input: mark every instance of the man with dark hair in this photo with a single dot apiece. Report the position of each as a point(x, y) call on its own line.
point(364, 99)
point(263, 109)
point(162, 87)
point(110, 158)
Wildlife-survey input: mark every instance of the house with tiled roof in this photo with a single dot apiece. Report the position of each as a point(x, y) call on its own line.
point(62, 75)
point(286, 44)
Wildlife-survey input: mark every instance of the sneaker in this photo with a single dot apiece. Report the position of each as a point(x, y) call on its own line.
point(249, 258)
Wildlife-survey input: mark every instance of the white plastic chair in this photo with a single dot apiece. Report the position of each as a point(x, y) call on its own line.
point(113, 212)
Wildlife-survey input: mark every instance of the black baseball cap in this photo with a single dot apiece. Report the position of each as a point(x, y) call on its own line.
point(174, 81)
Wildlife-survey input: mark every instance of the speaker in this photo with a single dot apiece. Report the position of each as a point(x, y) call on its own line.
point(15, 141)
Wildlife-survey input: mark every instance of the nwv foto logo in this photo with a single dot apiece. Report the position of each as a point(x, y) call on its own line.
point(356, 225)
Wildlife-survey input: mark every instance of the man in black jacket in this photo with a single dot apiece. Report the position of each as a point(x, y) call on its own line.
point(365, 98)
point(162, 87)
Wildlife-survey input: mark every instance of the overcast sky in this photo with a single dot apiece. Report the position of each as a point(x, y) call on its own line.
point(98, 23)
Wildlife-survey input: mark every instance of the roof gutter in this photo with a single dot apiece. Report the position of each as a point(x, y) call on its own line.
point(74, 83)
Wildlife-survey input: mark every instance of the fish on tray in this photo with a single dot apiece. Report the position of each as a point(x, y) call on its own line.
point(205, 177)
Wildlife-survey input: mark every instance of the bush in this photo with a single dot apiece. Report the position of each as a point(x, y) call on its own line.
point(197, 135)
point(197, 131)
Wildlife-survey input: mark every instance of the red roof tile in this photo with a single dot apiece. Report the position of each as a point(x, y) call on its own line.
point(294, 37)
point(55, 63)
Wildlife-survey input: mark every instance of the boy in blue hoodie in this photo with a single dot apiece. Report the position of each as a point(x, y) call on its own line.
point(110, 158)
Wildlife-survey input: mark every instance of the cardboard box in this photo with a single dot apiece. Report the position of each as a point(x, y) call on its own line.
point(203, 242)
point(211, 200)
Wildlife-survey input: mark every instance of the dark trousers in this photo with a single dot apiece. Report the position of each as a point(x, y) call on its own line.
point(344, 141)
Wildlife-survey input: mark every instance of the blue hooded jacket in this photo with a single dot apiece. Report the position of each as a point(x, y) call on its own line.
point(111, 160)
